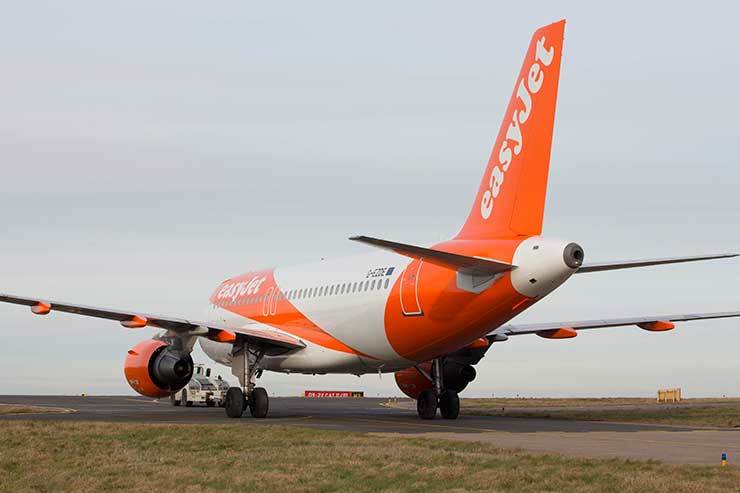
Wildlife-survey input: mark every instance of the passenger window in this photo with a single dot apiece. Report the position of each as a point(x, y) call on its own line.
point(342, 292)
point(367, 285)
point(354, 287)
point(387, 280)
point(331, 290)
point(372, 285)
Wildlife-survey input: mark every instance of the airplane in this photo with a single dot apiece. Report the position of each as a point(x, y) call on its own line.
point(426, 314)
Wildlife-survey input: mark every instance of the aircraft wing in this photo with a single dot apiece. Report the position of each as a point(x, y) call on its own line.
point(563, 330)
point(255, 333)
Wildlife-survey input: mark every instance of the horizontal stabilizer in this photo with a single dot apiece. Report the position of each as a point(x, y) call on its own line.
point(454, 261)
point(628, 264)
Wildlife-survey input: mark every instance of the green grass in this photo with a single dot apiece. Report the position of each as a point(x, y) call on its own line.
point(78, 456)
point(696, 412)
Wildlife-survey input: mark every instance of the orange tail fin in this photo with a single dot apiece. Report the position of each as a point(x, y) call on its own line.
point(511, 197)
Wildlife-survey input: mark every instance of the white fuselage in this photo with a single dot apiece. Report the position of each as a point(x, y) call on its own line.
point(356, 314)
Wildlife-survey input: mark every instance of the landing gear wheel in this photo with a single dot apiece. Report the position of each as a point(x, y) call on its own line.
point(426, 404)
point(259, 404)
point(174, 401)
point(234, 402)
point(449, 404)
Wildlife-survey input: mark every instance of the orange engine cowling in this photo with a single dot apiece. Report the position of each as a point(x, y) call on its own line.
point(156, 370)
point(412, 383)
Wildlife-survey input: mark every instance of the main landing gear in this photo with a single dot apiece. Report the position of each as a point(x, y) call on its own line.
point(237, 403)
point(430, 400)
point(244, 366)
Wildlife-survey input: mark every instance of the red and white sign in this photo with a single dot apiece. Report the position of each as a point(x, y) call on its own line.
point(331, 394)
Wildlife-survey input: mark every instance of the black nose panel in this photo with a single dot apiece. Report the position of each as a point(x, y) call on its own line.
point(573, 255)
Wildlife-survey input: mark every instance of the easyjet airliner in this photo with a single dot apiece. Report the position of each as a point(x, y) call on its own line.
point(428, 314)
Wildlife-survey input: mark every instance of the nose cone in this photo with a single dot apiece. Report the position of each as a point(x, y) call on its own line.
point(543, 264)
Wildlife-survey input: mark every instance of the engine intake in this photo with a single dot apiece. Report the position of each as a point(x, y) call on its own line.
point(154, 369)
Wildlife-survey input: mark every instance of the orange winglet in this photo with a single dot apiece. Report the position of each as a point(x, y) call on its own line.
point(657, 326)
point(135, 322)
point(561, 333)
point(41, 308)
point(479, 343)
point(220, 335)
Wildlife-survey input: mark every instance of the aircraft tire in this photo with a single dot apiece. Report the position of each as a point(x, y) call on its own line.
point(234, 402)
point(449, 404)
point(426, 404)
point(259, 404)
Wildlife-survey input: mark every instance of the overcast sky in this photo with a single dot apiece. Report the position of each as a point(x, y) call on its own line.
point(151, 149)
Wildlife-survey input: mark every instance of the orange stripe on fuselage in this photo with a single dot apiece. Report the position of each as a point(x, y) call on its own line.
point(256, 296)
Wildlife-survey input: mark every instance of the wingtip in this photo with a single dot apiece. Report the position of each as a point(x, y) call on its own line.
point(723, 255)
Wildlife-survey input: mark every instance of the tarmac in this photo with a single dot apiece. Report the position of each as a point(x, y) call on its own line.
point(671, 444)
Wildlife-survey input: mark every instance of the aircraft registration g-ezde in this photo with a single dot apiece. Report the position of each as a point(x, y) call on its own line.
point(426, 314)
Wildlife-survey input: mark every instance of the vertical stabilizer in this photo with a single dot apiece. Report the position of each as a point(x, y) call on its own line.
point(511, 197)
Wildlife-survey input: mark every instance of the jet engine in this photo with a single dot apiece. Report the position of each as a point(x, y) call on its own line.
point(455, 376)
point(154, 369)
point(412, 382)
